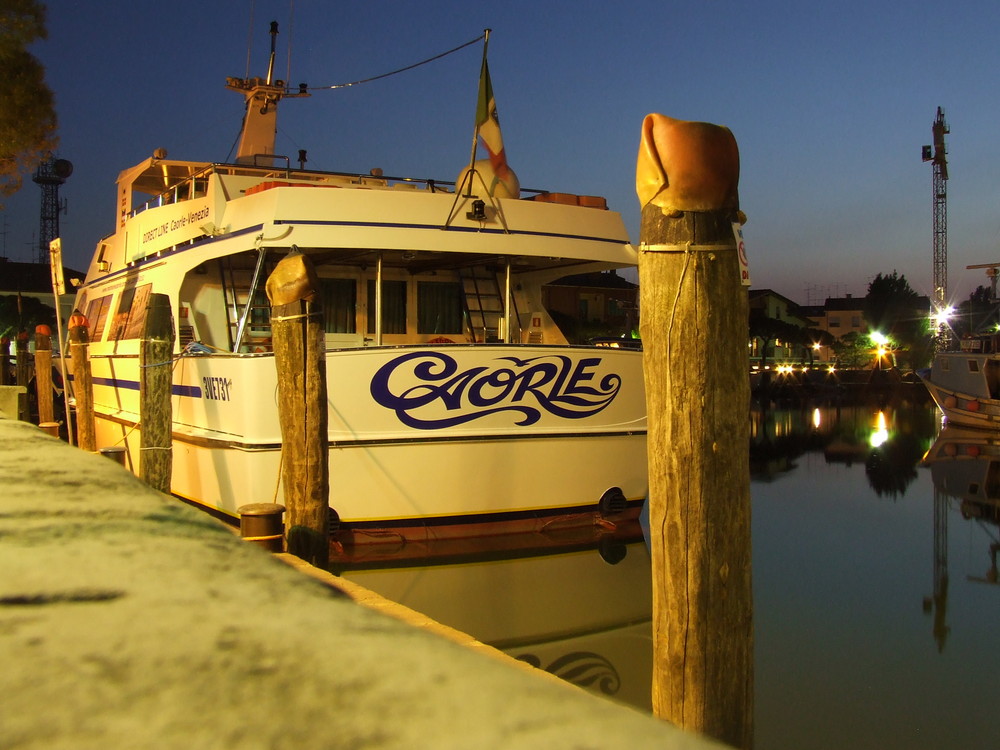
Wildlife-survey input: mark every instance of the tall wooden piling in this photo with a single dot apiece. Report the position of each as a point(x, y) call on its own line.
point(22, 372)
point(694, 332)
point(83, 388)
point(155, 385)
point(43, 375)
point(299, 356)
point(5, 377)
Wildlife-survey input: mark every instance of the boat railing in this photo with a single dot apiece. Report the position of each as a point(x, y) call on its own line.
point(987, 343)
point(196, 184)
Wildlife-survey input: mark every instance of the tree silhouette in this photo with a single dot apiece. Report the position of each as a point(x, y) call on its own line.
point(19, 313)
point(852, 350)
point(27, 117)
point(767, 330)
point(978, 313)
point(810, 338)
point(892, 308)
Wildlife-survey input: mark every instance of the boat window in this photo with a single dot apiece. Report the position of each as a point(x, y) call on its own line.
point(339, 298)
point(97, 316)
point(991, 369)
point(131, 316)
point(973, 365)
point(439, 307)
point(393, 306)
point(260, 314)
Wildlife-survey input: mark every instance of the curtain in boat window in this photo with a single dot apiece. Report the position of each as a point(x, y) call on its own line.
point(131, 316)
point(393, 306)
point(439, 307)
point(339, 298)
point(97, 316)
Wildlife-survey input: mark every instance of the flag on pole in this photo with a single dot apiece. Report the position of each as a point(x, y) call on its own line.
point(487, 121)
point(488, 127)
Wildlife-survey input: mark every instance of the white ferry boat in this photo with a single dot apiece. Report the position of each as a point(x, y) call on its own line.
point(455, 401)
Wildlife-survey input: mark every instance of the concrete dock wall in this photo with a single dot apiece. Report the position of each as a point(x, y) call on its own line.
point(128, 619)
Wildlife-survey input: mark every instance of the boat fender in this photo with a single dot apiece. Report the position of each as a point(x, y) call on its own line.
point(950, 450)
point(972, 450)
point(972, 406)
point(611, 550)
point(950, 402)
point(612, 502)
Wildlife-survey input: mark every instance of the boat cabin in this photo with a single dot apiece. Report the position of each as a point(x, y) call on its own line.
point(398, 261)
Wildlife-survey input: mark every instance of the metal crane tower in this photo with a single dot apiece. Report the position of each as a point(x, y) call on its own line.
point(938, 156)
point(50, 174)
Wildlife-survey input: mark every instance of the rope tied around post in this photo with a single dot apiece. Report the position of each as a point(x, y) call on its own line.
point(300, 316)
point(683, 247)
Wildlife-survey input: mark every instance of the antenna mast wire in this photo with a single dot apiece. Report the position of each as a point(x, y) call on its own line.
point(400, 70)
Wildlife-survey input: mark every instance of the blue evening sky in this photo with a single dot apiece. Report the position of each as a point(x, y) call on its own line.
point(830, 104)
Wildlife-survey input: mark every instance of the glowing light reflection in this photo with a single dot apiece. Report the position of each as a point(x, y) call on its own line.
point(881, 433)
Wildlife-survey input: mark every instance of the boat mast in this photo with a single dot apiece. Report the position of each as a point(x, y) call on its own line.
point(260, 123)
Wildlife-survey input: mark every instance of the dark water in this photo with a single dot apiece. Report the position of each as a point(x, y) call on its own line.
point(876, 624)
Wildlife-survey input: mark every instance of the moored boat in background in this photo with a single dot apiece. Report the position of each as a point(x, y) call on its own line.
point(965, 384)
point(455, 402)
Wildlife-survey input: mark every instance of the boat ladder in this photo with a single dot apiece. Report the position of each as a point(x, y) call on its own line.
point(483, 298)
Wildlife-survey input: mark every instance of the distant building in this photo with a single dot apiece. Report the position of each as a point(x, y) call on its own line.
point(593, 304)
point(783, 350)
point(840, 316)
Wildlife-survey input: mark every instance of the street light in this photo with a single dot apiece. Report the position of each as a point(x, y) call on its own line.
point(881, 341)
point(941, 317)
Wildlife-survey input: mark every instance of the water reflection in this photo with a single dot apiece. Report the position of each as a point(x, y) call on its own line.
point(583, 615)
point(873, 621)
point(889, 442)
point(965, 469)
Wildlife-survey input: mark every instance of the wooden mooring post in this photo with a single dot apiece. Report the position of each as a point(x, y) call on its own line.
point(300, 358)
point(43, 375)
point(155, 383)
point(5, 376)
point(83, 388)
point(23, 371)
point(694, 334)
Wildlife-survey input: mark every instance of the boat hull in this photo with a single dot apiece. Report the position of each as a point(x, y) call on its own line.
point(436, 441)
point(967, 403)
